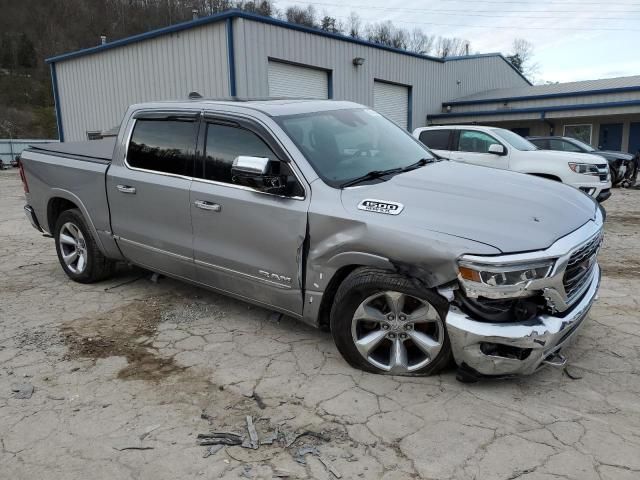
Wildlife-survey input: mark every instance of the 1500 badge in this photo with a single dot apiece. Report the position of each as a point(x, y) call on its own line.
point(381, 206)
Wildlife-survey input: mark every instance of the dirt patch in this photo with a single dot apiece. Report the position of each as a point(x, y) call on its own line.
point(624, 220)
point(124, 331)
point(630, 269)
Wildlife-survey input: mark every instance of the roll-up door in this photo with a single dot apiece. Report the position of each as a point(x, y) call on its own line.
point(392, 101)
point(286, 80)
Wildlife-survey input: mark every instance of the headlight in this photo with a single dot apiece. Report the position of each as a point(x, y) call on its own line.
point(503, 275)
point(584, 168)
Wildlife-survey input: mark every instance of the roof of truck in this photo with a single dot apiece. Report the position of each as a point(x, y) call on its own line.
point(272, 107)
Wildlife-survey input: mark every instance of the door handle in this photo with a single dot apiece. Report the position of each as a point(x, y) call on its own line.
point(214, 207)
point(126, 189)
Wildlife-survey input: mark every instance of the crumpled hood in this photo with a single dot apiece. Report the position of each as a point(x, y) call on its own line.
point(512, 212)
point(614, 155)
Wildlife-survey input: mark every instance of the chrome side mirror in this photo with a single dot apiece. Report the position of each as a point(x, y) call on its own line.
point(260, 173)
point(497, 149)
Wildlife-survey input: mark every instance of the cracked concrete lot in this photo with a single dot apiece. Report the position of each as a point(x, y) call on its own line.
point(127, 372)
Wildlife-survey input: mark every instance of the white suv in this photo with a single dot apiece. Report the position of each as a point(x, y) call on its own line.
point(499, 148)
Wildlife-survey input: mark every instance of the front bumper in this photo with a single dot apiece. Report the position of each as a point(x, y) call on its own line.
point(530, 344)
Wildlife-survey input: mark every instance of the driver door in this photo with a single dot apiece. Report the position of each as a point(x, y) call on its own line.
point(472, 146)
point(246, 242)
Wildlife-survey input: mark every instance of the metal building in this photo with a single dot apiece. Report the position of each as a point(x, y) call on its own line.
point(241, 54)
point(604, 113)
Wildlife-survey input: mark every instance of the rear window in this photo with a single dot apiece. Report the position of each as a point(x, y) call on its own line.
point(435, 139)
point(166, 146)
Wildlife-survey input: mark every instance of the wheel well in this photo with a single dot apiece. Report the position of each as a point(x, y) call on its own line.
point(547, 176)
point(330, 293)
point(55, 208)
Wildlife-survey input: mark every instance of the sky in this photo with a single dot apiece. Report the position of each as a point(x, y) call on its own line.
point(573, 40)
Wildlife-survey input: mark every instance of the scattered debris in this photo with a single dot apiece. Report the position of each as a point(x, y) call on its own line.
point(212, 450)
point(269, 439)
point(290, 438)
point(22, 391)
point(205, 416)
point(329, 466)
point(29, 265)
point(571, 375)
point(133, 447)
point(303, 451)
point(253, 434)
point(281, 473)
point(219, 438)
point(126, 282)
point(259, 401)
point(52, 397)
point(147, 432)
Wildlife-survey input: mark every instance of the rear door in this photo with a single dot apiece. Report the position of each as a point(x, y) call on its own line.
point(438, 140)
point(149, 193)
point(472, 146)
point(247, 242)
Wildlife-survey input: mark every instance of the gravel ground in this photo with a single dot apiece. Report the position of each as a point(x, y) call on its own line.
point(127, 372)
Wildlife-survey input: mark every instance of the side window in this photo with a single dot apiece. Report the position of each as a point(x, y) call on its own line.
point(541, 143)
point(570, 147)
point(476, 142)
point(166, 146)
point(435, 139)
point(224, 144)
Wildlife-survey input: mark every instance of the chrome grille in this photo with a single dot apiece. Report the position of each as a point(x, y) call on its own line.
point(580, 266)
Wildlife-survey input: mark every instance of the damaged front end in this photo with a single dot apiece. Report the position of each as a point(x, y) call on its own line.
point(512, 314)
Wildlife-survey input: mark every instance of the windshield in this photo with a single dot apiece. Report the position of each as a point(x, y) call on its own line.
point(514, 139)
point(585, 146)
point(342, 145)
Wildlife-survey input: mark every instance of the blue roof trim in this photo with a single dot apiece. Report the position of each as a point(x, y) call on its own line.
point(235, 13)
point(541, 109)
point(598, 91)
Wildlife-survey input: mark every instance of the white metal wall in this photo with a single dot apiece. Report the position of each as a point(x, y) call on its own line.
point(286, 80)
point(433, 82)
point(95, 90)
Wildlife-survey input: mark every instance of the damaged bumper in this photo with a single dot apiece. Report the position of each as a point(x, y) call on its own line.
point(505, 349)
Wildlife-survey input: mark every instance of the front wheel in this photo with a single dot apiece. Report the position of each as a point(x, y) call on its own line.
point(79, 256)
point(382, 322)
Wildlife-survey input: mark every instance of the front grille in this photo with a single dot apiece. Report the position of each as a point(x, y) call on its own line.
point(580, 266)
point(603, 171)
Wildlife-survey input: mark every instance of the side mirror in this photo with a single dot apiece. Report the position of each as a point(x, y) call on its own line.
point(496, 149)
point(260, 173)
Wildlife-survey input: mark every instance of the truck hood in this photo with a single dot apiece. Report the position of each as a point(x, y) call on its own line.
point(512, 212)
point(560, 156)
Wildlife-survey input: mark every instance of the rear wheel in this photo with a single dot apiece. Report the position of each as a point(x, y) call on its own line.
point(79, 256)
point(382, 322)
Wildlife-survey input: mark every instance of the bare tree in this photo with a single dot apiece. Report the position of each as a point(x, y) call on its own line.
point(420, 42)
point(451, 47)
point(521, 57)
point(301, 16)
point(386, 33)
point(354, 25)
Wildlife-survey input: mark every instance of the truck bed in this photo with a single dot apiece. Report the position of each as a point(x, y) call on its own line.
point(100, 151)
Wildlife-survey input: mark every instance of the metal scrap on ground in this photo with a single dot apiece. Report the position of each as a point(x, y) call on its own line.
point(219, 438)
point(22, 391)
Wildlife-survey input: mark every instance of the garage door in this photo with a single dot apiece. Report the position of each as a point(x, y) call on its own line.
point(392, 101)
point(287, 80)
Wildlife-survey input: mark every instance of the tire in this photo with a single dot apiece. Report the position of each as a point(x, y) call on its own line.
point(377, 290)
point(89, 264)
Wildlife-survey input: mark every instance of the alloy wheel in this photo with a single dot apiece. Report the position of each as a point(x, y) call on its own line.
point(396, 332)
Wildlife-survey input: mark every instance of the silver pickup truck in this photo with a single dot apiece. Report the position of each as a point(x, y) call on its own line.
point(330, 213)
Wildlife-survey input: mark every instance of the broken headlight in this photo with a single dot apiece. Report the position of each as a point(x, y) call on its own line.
point(504, 275)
